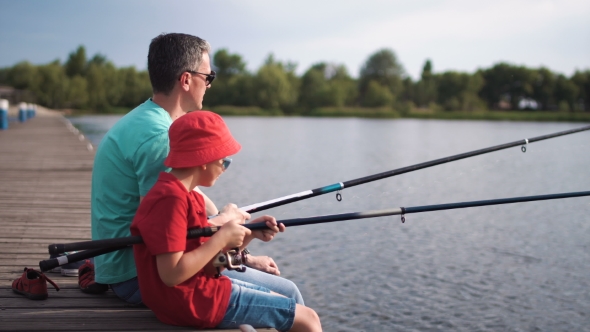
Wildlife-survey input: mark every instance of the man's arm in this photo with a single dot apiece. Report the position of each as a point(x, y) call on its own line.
point(263, 263)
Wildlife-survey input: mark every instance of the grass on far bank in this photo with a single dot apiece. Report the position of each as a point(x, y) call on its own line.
point(386, 112)
point(364, 112)
point(503, 115)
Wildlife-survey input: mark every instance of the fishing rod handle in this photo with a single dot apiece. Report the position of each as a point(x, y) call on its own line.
point(51, 263)
point(198, 232)
point(60, 248)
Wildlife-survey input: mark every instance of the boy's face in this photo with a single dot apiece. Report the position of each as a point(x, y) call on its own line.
point(212, 173)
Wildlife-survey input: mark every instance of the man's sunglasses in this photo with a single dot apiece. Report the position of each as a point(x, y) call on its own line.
point(226, 163)
point(208, 77)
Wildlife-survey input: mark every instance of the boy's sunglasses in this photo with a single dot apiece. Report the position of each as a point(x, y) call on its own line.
point(226, 163)
point(208, 77)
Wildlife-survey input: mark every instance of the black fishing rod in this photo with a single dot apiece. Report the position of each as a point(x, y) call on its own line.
point(347, 184)
point(100, 247)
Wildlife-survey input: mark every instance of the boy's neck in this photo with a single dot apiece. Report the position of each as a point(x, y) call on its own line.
point(187, 176)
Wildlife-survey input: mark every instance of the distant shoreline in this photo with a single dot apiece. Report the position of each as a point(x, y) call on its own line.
point(384, 113)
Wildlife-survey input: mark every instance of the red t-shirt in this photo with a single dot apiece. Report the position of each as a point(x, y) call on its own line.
point(162, 220)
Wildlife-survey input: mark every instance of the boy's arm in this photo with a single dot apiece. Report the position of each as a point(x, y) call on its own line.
point(177, 267)
point(228, 212)
point(209, 205)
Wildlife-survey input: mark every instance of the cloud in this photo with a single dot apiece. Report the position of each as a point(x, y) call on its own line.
point(451, 28)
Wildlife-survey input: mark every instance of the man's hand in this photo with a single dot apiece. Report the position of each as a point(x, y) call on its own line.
point(264, 264)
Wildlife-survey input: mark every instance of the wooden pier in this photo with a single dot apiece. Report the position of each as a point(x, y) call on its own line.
point(45, 176)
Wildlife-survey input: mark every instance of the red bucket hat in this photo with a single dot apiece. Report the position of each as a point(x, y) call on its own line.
point(199, 138)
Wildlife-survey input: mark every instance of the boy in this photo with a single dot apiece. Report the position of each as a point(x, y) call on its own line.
point(176, 277)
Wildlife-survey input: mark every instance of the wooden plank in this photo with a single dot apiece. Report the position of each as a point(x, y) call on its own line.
point(83, 319)
point(45, 177)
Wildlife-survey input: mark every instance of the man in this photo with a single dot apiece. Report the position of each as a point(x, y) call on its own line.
point(131, 155)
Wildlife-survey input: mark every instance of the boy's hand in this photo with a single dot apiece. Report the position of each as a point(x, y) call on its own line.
point(267, 234)
point(234, 234)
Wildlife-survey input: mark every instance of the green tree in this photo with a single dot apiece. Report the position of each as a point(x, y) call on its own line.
point(544, 82)
point(377, 95)
point(76, 64)
point(136, 87)
point(22, 75)
point(566, 92)
point(97, 88)
point(343, 87)
point(326, 84)
point(459, 91)
point(76, 95)
point(227, 64)
point(276, 85)
point(98, 59)
point(582, 80)
point(426, 89)
point(233, 85)
point(4, 75)
point(384, 68)
point(315, 89)
point(50, 85)
point(508, 83)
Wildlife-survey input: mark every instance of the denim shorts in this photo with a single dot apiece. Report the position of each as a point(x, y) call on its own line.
point(128, 291)
point(255, 305)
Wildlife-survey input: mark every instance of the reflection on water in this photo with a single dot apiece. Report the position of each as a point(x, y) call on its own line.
point(515, 267)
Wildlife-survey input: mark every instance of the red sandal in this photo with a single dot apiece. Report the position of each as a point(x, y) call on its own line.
point(32, 284)
point(86, 280)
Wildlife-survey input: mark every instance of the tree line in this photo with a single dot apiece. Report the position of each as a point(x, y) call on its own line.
point(96, 84)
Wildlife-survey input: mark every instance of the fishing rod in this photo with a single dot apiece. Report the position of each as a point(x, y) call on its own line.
point(351, 183)
point(347, 184)
point(100, 247)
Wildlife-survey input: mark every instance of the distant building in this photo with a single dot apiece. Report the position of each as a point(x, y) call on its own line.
point(504, 105)
point(15, 96)
point(528, 104)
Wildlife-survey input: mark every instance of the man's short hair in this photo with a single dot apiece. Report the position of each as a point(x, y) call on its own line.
point(170, 55)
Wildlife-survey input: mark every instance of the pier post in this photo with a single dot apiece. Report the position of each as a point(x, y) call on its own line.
point(3, 114)
point(29, 111)
point(22, 112)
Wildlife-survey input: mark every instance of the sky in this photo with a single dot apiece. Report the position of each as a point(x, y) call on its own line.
point(459, 35)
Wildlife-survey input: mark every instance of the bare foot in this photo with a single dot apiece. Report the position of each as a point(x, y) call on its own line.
point(247, 328)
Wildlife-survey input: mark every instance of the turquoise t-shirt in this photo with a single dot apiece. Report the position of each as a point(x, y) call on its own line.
point(126, 165)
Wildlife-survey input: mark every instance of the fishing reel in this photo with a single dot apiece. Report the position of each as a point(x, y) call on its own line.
point(232, 260)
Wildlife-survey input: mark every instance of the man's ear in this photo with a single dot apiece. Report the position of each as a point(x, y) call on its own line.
point(185, 80)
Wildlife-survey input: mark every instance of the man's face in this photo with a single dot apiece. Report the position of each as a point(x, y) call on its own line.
point(200, 83)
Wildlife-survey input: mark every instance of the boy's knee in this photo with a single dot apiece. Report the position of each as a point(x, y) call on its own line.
point(306, 319)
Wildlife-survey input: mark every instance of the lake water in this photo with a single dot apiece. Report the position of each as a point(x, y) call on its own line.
point(516, 267)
